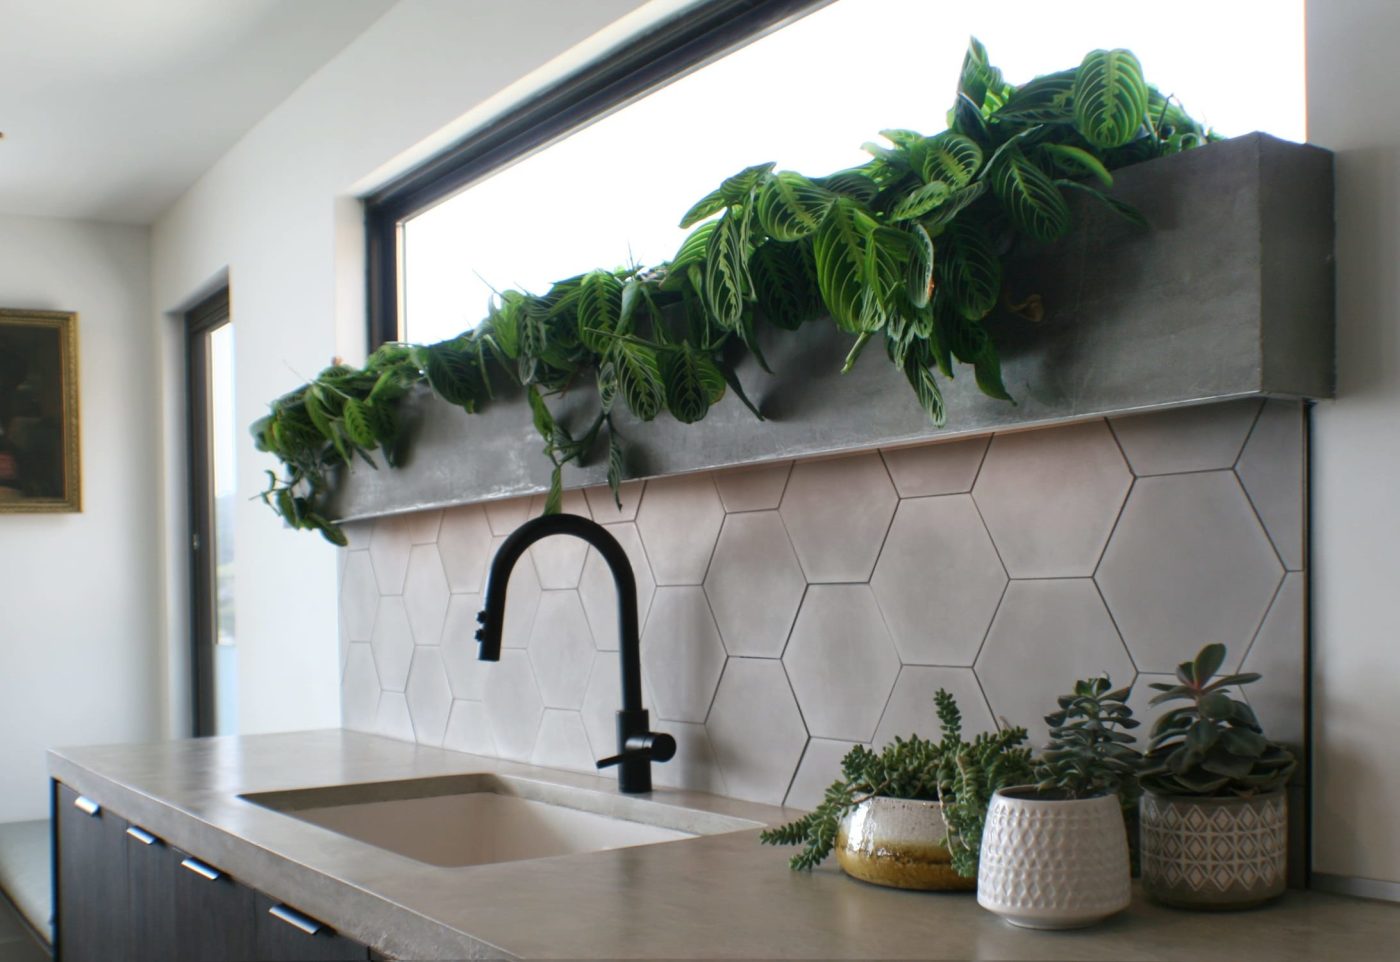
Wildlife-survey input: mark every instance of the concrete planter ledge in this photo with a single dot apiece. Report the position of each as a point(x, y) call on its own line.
point(1229, 294)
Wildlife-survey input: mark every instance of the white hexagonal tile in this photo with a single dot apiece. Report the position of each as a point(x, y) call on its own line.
point(938, 580)
point(682, 654)
point(359, 689)
point(601, 703)
point(466, 673)
point(357, 534)
point(679, 520)
point(1188, 564)
point(423, 526)
point(559, 558)
point(513, 705)
point(393, 643)
point(561, 649)
point(841, 662)
point(429, 696)
point(694, 766)
point(1050, 498)
point(948, 467)
point(562, 743)
point(425, 594)
point(1278, 698)
point(911, 709)
point(1202, 437)
point(468, 729)
point(604, 506)
point(755, 584)
point(837, 511)
point(1047, 635)
point(389, 546)
point(756, 730)
point(359, 596)
point(392, 720)
point(820, 766)
point(757, 487)
point(1271, 469)
point(522, 600)
point(466, 547)
point(599, 594)
point(505, 516)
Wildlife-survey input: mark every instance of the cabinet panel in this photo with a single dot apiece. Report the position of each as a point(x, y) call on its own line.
point(282, 939)
point(213, 916)
point(92, 881)
point(150, 873)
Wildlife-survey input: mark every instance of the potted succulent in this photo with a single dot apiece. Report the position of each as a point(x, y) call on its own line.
point(1214, 814)
point(1055, 854)
point(911, 815)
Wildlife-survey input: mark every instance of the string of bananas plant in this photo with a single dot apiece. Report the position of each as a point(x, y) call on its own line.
point(907, 248)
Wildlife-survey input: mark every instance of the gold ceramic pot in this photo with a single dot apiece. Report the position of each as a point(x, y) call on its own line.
point(1214, 853)
point(898, 842)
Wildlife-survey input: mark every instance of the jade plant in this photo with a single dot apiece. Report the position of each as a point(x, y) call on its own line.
point(1091, 749)
point(1212, 745)
point(960, 774)
point(906, 250)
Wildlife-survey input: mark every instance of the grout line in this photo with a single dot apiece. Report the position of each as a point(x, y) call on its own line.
point(1117, 630)
point(1113, 528)
point(987, 632)
point(1249, 434)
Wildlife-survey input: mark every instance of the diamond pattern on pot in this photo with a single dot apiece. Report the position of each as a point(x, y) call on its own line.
point(837, 511)
point(754, 614)
point(1188, 564)
point(1050, 498)
point(1214, 847)
point(938, 580)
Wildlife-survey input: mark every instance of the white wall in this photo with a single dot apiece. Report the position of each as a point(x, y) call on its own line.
point(273, 214)
point(1352, 74)
point(79, 655)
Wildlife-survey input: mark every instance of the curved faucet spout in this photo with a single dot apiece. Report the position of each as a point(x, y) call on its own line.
point(638, 746)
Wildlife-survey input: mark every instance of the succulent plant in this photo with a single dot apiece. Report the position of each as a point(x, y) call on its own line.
point(1090, 751)
point(1212, 746)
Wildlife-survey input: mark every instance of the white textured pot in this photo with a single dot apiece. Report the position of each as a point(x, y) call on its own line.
point(898, 842)
point(1053, 863)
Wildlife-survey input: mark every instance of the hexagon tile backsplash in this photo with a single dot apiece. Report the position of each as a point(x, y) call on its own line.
point(791, 611)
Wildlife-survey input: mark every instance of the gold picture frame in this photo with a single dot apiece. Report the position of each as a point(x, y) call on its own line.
point(39, 439)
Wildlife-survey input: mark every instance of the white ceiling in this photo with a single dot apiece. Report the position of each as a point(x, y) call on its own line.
point(110, 109)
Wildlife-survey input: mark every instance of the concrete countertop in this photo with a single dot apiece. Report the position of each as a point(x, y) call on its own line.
point(710, 897)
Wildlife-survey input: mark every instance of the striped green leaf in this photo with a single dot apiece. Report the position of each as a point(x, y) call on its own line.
point(1110, 97)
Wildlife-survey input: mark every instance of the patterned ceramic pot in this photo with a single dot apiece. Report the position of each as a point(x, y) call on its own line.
point(1214, 853)
point(1053, 863)
point(897, 842)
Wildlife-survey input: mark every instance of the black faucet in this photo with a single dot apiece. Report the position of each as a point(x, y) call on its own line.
point(637, 745)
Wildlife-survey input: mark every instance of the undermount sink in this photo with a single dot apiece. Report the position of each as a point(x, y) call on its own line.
point(478, 819)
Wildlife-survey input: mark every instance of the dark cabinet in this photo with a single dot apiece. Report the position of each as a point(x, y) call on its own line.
point(124, 895)
point(91, 867)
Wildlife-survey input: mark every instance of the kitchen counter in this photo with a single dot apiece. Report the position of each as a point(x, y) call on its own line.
point(711, 897)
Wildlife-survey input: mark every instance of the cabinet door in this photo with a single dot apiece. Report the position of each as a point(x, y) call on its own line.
point(213, 914)
point(150, 874)
point(92, 884)
point(288, 935)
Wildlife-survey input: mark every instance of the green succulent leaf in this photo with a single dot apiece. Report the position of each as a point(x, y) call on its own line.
point(1110, 97)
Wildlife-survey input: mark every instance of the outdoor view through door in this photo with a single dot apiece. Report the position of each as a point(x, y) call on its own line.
point(212, 430)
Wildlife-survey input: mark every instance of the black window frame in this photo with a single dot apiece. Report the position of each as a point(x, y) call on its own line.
point(671, 49)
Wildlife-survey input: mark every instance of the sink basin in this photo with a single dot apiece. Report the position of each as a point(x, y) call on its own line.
point(483, 818)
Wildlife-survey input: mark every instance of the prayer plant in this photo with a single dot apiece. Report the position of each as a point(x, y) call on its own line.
point(907, 249)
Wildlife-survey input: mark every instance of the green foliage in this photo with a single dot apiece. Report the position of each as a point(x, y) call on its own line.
point(907, 248)
point(1090, 751)
point(1212, 746)
point(962, 775)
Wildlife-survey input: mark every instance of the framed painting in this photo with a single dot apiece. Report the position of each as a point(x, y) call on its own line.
point(39, 412)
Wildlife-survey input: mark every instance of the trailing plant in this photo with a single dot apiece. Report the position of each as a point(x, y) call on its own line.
point(1212, 746)
point(1091, 751)
point(962, 775)
point(907, 248)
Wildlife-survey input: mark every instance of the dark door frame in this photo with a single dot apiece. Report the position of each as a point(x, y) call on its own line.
point(205, 316)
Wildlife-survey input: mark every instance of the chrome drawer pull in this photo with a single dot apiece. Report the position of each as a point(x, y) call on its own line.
point(84, 804)
point(202, 870)
point(141, 835)
point(295, 919)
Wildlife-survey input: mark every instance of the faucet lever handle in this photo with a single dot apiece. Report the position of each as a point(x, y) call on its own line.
point(653, 746)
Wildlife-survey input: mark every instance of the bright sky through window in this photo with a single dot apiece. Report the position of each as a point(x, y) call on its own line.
point(806, 97)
